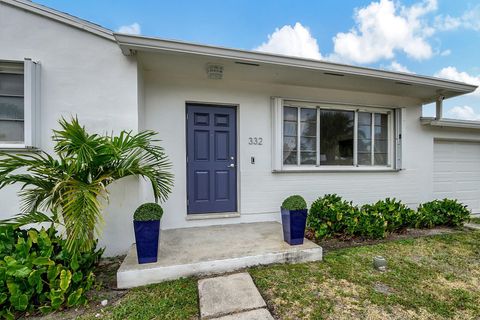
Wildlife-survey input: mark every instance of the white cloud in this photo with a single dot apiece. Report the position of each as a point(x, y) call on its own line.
point(384, 27)
point(470, 19)
point(452, 73)
point(133, 28)
point(447, 22)
point(445, 53)
point(292, 41)
point(464, 113)
point(395, 66)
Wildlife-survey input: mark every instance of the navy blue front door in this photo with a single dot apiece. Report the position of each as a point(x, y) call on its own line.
point(211, 159)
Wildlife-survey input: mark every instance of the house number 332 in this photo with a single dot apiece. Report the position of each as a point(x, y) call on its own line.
point(258, 141)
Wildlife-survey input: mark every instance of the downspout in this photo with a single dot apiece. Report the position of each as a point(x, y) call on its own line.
point(439, 107)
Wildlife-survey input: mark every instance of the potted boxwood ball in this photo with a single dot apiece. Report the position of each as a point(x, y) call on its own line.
point(146, 223)
point(294, 218)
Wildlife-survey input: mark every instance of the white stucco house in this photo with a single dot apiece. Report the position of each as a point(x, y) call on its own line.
point(243, 129)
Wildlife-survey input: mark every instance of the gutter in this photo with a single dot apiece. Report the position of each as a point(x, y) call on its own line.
point(450, 123)
point(132, 43)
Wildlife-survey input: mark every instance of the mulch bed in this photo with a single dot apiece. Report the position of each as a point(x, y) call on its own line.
point(339, 243)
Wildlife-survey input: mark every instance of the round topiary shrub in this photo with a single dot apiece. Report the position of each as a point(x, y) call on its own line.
point(148, 212)
point(294, 202)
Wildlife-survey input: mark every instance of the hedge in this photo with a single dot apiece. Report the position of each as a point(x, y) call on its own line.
point(332, 216)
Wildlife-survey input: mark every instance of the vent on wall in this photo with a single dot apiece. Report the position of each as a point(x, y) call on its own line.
point(214, 71)
point(247, 63)
point(334, 74)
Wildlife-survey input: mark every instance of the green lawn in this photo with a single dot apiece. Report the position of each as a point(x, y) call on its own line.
point(168, 300)
point(475, 220)
point(428, 278)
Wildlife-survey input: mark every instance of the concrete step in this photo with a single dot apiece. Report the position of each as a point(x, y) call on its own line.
point(214, 250)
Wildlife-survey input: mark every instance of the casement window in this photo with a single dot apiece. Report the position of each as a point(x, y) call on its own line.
point(19, 104)
point(319, 136)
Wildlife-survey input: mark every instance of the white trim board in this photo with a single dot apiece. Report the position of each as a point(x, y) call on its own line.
point(450, 123)
point(132, 43)
point(61, 17)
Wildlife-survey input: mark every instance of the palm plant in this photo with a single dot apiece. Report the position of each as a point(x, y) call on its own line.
point(71, 186)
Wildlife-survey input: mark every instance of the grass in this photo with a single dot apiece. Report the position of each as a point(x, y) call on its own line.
point(427, 278)
point(168, 300)
point(475, 220)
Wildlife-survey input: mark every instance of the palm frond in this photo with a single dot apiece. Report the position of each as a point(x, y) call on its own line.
point(73, 141)
point(23, 219)
point(138, 155)
point(71, 184)
point(81, 211)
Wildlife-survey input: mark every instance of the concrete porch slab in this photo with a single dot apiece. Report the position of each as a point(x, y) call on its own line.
point(213, 250)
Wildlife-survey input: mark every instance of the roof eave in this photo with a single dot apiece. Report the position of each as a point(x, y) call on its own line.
point(61, 17)
point(129, 43)
point(450, 123)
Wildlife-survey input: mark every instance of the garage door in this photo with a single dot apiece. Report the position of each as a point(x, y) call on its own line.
point(456, 172)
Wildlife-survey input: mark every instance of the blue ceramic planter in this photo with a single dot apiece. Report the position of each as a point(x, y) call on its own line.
point(293, 223)
point(146, 238)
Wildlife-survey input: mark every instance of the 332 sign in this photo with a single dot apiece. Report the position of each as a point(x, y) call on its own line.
point(256, 141)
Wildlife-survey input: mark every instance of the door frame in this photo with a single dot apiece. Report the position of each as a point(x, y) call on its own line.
point(210, 215)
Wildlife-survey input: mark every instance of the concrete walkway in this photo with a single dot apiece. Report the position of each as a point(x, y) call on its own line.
point(231, 297)
point(473, 226)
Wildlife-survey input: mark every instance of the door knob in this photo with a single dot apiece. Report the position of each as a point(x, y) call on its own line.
point(231, 165)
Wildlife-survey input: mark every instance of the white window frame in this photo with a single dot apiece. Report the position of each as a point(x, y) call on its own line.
point(394, 136)
point(31, 98)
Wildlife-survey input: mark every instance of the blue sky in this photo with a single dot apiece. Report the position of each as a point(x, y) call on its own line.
point(429, 37)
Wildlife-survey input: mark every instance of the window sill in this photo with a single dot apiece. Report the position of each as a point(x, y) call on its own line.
point(17, 148)
point(334, 170)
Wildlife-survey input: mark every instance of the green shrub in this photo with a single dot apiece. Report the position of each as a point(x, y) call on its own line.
point(384, 217)
point(330, 215)
point(371, 223)
point(38, 274)
point(148, 212)
point(446, 212)
point(294, 202)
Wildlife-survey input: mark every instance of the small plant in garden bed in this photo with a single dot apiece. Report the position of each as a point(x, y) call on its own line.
point(383, 217)
point(330, 215)
point(445, 212)
point(37, 273)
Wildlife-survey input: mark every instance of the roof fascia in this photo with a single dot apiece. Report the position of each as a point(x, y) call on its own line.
point(61, 17)
point(132, 43)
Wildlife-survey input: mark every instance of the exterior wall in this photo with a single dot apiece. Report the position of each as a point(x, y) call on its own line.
point(85, 75)
point(261, 191)
point(81, 74)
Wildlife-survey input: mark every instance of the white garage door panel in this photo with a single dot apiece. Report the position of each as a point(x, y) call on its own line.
point(456, 172)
